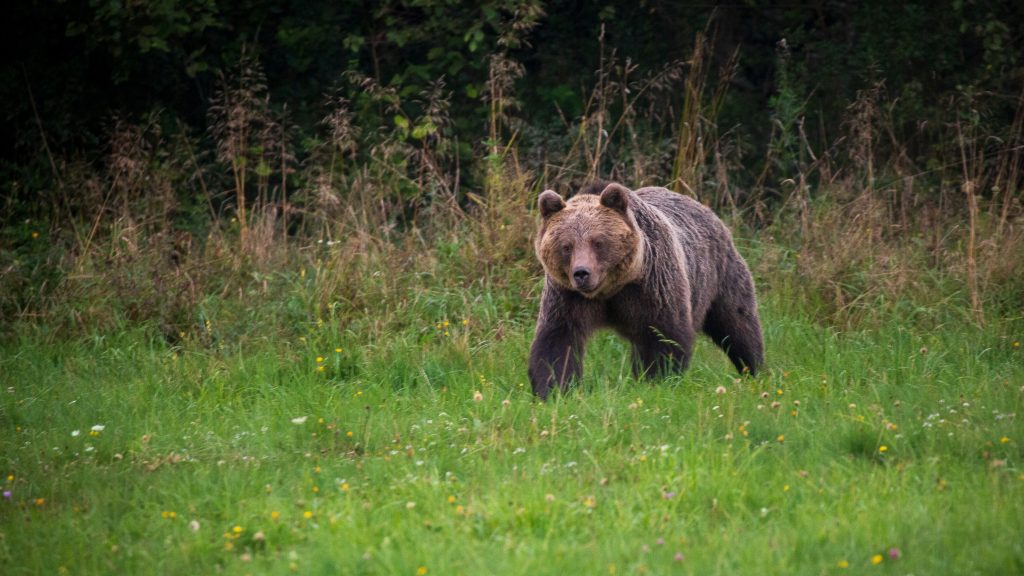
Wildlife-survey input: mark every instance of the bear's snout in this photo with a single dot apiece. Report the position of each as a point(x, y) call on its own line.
point(582, 278)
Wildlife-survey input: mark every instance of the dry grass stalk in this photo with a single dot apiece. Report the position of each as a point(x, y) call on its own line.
point(972, 173)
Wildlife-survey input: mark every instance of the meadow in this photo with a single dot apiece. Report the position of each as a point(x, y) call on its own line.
point(267, 289)
point(408, 442)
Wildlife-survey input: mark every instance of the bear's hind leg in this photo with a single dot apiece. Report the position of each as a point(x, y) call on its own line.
point(736, 329)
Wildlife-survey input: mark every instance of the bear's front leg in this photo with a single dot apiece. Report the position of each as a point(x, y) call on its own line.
point(661, 332)
point(556, 357)
point(564, 323)
point(662, 350)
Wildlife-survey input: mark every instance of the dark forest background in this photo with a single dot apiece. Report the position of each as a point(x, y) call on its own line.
point(86, 63)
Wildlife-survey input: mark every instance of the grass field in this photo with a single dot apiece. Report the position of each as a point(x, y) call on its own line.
point(894, 448)
point(290, 334)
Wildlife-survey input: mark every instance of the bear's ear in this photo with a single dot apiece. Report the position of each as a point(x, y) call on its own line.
point(550, 202)
point(616, 197)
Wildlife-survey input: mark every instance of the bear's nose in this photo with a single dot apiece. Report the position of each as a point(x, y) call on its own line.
point(581, 274)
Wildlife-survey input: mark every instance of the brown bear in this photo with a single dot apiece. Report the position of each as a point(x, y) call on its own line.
point(653, 265)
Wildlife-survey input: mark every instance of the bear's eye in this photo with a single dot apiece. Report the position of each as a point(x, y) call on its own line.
point(566, 248)
point(597, 244)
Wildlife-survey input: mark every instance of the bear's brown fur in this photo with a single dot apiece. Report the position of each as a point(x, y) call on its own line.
point(651, 264)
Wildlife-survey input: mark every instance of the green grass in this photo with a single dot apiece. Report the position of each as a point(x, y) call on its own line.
point(397, 466)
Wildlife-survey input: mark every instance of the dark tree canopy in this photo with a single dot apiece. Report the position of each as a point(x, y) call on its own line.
point(86, 62)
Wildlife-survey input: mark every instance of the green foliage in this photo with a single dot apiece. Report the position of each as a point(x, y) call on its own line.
point(788, 108)
point(129, 32)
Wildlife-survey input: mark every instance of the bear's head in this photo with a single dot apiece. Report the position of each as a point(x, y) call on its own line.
point(590, 244)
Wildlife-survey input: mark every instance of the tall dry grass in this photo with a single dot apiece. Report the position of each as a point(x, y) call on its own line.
point(171, 225)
